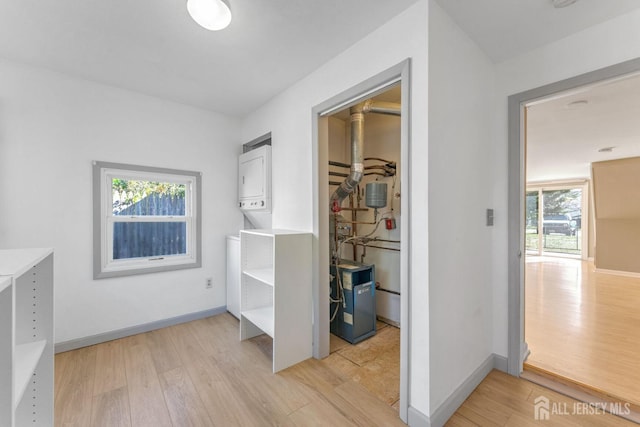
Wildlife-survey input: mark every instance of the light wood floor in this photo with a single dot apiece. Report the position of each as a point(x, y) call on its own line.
point(584, 325)
point(503, 400)
point(200, 374)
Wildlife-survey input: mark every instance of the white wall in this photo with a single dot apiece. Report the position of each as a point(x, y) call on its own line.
point(461, 163)
point(289, 118)
point(382, 139)
point(606, 44)
point(51, 128)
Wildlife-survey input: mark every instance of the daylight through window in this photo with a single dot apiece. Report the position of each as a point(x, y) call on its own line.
point(147, 220)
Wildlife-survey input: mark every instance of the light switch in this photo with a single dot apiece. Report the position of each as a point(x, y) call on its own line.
point(489, 217)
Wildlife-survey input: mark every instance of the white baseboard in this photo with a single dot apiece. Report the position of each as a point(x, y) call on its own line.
point(618, 272)
point(417, 419)
point(442, 414)
point(133, 330)
point(500, 363)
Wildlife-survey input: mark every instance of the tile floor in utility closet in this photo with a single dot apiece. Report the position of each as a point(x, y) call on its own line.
point(374, 363)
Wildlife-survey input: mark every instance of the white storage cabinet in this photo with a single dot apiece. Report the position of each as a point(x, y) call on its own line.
point(233, 275)
point(26, 337)
point(276, 292)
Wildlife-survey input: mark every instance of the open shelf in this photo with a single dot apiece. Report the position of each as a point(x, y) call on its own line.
point(261, 317)
point(26, 334)
point(27, 357)
point(264, 275)
point(5, 282)
point(275, 297)
point(15, 262)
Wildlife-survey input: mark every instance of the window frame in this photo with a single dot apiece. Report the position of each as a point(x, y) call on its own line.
point(104, 266)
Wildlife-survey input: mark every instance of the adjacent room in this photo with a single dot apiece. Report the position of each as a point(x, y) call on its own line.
point(582, 278)
point(296, 212)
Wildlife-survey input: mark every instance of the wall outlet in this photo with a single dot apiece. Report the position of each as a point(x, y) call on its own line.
point(209, 284)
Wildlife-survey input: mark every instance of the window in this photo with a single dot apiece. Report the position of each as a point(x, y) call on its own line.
point(146, 219)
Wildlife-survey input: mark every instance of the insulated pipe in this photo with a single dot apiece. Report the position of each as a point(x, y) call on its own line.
point(349, 185)
point(358, 111)
point(381, 107)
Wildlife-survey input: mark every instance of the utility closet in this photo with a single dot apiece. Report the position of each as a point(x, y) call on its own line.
point(364, 216)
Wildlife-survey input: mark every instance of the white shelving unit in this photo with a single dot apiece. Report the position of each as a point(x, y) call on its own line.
point(233, 275)
point(275, 290)
point(26, 324)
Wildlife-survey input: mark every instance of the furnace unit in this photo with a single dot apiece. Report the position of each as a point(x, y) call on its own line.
point(355, 318)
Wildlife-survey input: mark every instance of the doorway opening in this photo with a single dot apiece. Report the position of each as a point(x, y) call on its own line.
point(575, 316)
point(361, 269)
point(365, 238)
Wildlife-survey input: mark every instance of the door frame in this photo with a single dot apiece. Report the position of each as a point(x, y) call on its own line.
point(379, 83)
point(518, 350)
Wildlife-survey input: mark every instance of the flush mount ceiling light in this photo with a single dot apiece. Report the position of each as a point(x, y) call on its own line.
point(563, 3)
point(213, 15)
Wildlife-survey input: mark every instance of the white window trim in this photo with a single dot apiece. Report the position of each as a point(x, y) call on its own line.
point(104, 264)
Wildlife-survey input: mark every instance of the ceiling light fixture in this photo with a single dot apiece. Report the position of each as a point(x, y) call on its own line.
point(606, 150)
point(558, 4)
point(213, 15)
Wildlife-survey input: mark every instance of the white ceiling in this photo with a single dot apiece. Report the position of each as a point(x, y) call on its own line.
point(563, 140)
point(506, 28)
point(154, 47)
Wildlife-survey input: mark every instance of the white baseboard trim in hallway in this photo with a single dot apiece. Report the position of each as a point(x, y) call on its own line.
point(455, 399)
point(133, 330)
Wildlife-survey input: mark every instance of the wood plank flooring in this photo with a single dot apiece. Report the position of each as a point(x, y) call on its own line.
point(503, 400)
point(200, 374)
point(583, 325)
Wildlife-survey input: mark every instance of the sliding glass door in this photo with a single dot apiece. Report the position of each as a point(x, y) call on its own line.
point(554, 220)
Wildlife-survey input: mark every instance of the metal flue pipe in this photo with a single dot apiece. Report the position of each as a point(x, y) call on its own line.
point(349, 185)
point(381, 107)
point(358, 111)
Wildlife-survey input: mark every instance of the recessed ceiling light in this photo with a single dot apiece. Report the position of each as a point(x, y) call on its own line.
point(563, 3)
point(606, 150)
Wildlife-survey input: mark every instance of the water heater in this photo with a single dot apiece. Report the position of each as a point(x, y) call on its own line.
point(254, 179)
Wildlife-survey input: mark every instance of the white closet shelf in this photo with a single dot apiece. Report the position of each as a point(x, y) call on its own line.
point(17, 261)
point(27, 357)
point(261, 317)
point(275, 297)
point(265, 275)
point(5, 282)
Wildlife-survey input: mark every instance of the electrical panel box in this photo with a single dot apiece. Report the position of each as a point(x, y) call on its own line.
point(355, 314)
point(254, 179)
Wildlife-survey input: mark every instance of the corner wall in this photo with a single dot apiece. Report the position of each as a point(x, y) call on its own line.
point(461, 188)
point(289, 118)
point(617, 214)
point(52, 127)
